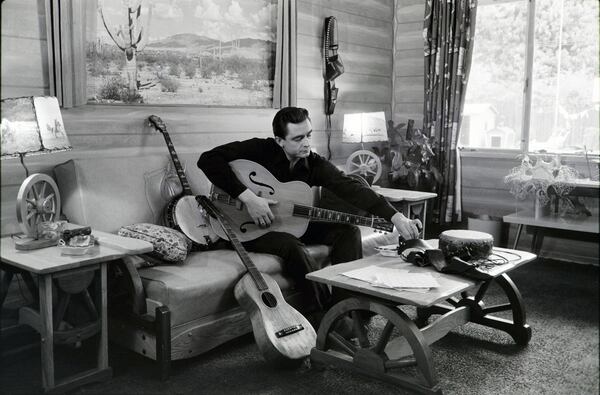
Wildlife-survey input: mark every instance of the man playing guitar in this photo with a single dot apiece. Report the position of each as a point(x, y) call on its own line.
point(288, 157)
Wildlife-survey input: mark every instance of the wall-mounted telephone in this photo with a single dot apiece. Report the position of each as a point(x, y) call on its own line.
point(330, 97)
point(333, 66)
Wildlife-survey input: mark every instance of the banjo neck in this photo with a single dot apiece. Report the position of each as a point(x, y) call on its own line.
point(178, 168)
point(161, 127)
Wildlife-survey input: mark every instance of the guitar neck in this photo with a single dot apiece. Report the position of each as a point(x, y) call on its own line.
point(180, 173)
point(259, 281)
point(326, 215)
point(319, 214)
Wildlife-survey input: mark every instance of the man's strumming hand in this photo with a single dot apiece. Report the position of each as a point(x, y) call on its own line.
point(408, 228)
point(258, 208)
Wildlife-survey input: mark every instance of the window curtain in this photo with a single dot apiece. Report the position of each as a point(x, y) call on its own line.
point(284, 91)
point(65, 24)
point(448, 32)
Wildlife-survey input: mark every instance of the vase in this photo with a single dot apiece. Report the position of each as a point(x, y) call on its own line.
point(540, 209)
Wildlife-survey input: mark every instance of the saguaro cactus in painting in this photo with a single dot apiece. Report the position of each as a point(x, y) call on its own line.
point(130, 40)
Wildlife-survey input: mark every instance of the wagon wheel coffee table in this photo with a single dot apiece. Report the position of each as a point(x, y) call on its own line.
point(399, 352)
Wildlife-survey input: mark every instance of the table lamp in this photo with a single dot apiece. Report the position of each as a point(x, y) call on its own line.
point(364, 128)
point(32, 126)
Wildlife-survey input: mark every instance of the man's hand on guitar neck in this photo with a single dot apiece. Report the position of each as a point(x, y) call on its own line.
point(258, 208)
point(408, 228)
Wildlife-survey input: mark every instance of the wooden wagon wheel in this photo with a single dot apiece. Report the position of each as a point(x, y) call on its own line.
point(364, 163)
point(483, 310)
point(38, 200)
point(376, 354)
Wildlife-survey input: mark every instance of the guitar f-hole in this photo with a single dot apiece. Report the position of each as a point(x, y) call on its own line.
point(253, 174)
point(243, 228)
point(268, 299)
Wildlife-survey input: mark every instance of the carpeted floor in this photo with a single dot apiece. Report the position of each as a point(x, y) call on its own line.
point(561, 299)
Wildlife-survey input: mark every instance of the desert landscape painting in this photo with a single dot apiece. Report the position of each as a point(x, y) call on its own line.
point(211, 52)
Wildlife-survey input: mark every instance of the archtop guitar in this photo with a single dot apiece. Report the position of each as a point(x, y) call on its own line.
point(292, 213)
point(280, 331)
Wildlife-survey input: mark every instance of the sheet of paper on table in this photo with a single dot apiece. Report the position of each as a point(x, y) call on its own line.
point(394, 277)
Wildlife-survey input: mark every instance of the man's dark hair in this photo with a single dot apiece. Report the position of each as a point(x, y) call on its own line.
point(288, 115)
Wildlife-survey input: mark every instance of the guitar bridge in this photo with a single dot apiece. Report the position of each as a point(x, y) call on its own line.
point(289, 330)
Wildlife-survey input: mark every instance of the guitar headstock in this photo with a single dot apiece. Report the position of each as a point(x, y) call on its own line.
point(157, 123)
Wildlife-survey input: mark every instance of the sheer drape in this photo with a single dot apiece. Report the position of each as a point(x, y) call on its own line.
point(448, 31)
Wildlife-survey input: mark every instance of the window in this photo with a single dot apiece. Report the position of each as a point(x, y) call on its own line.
point(534, 79)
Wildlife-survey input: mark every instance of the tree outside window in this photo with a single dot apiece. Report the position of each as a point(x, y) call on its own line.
point(562, 106)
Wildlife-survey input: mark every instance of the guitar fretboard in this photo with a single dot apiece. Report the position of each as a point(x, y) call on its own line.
point(259, 281)
point(180, 173)
point(325, 215)
point(321, 214)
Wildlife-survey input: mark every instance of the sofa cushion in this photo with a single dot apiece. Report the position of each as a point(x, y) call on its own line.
point(204, 284)
point(109, 192)
point(169, 244)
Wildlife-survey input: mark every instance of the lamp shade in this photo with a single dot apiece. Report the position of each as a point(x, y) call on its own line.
point(364, 127)
point(31, 125)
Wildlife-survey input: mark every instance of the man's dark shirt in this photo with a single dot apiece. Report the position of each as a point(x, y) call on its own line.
point(313, 170)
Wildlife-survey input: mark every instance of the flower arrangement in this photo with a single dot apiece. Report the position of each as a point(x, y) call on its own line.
point(541, 179)
point(408, 157)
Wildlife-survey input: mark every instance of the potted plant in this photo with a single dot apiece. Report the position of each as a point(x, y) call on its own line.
point(407, 158)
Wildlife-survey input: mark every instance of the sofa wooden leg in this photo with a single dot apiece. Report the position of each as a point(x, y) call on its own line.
point(163, 341)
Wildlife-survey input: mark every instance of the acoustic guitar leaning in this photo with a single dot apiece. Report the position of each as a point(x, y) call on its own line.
point(292, 212)
point(280, 331)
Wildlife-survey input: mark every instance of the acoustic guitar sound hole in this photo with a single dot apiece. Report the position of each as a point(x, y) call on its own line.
point(268, 299)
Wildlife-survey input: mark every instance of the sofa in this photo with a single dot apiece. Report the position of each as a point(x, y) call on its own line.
point(165, 311)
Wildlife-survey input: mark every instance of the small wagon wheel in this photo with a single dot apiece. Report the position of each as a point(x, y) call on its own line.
point(364, 163)
point(377, 354)
point(38, 200)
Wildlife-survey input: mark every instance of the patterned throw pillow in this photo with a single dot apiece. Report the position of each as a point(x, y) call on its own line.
point(169, 245)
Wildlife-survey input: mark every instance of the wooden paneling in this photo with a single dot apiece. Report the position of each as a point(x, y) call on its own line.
point(410, 11)
point(409, 89)
point(24, 49)
point(378, 9)
point(356, 88)
point(365, 39)
point(357, 59)
point(362, 28)
point(408, 62)
point(23, 62)
point(409, 36)
point(31, 20)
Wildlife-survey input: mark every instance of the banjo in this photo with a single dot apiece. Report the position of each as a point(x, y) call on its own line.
point(182, 213)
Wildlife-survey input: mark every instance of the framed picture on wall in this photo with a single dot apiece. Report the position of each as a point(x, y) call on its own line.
point(164, 52)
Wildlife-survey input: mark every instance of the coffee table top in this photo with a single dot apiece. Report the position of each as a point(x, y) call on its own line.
point(50, 260)
point(449, 284)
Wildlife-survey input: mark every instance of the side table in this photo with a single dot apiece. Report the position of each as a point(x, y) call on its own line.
point(73, 274)
point(412, 204)
point(398, 350)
